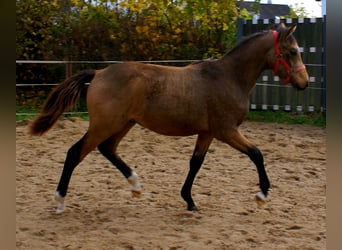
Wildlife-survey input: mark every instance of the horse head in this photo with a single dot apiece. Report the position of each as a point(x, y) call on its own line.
point(287, 61)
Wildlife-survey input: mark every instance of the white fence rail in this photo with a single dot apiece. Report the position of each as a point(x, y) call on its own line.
point(266, 83)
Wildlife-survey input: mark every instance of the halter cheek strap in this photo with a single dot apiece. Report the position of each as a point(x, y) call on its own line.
point(281, 60)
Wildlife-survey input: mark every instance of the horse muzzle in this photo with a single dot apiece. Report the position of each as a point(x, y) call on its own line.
point(300, 79)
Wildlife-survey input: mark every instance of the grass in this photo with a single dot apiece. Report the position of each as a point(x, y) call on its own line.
point(312, 119)
point(24, 113)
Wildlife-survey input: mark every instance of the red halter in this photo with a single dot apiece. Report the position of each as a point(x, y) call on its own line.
point(281, 60)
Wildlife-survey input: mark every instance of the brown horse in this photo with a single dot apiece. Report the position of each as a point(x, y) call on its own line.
point(209, 98)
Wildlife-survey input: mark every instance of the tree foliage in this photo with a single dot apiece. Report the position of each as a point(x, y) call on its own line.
point(298, 10)
point(119, 30)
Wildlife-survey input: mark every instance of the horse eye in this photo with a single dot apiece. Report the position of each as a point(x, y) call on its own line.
point(293, 51)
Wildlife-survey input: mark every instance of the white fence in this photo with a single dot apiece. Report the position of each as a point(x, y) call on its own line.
point(267, 86)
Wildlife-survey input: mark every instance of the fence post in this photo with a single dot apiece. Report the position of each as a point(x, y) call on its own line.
point(68, 70)
point(240, 23)
point(324, 98)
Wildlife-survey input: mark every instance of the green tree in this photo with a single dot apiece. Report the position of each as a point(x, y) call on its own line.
point(34, 37)
point(298, 10)
point(119, 30)
point(256, 7)
point(33, 19)
point(180, 29)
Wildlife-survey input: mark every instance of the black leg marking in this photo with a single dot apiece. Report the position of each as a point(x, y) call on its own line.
point(235, 139)
point(195, 165)
point(71, 161)
point(256, 156)
point(201, 148)
point(107, 148)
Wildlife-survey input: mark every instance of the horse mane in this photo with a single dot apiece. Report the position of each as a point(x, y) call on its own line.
point(251, 37)
point(246, 40)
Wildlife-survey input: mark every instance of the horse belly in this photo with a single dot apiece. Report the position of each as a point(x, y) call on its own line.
point(174, 120)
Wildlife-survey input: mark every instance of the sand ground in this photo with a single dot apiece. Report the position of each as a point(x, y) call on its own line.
point(101, 214)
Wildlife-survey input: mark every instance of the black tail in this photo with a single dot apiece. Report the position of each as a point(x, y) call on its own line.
point(61, 99)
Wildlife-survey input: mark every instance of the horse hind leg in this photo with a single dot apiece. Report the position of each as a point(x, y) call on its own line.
point(108, 149)
point(75, 155)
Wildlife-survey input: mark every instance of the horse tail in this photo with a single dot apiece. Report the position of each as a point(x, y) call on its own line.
point(61, 99)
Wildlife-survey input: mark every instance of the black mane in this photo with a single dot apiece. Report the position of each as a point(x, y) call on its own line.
point(246, 40)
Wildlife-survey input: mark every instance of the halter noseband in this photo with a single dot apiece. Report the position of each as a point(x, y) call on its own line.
point(281, 60)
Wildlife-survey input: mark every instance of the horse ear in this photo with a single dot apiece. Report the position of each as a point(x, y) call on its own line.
point(290, 31)
point(282, 25)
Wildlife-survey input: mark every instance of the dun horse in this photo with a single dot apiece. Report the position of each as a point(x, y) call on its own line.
point(208, 98)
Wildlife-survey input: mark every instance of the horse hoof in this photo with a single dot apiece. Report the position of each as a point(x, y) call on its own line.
point(136, 193)
point(193, 208)
point(136, 188)
point(59, 210)
point(260, 199)
point(60, 203)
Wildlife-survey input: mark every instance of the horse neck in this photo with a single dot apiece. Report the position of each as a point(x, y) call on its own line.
point(249, 59)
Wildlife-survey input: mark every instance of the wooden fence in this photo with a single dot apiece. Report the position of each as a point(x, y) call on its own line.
point(270, 93)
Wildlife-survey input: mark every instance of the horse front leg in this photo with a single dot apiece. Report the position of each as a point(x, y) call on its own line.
point(239, 142)
point(256, 156)
point(202, 144)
